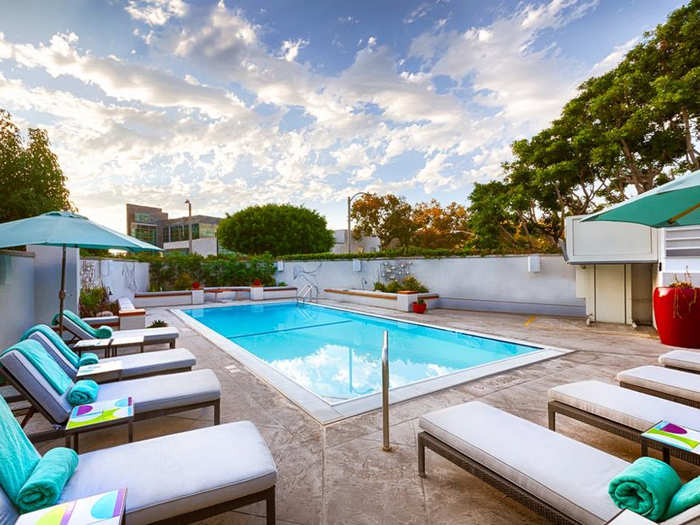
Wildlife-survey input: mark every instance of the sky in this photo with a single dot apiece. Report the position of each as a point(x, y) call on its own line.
point(231, 104)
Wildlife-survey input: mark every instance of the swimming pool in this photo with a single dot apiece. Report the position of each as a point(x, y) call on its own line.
point(336, 354)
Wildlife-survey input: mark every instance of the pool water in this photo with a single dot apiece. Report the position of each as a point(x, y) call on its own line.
point(337, 354)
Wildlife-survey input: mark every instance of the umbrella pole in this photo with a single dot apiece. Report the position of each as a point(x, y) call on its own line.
point(62, 292)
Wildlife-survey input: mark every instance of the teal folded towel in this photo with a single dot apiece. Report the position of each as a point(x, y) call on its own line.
point(18, 457)
point(44, 364)
point(83, 392)
point(103, 332)
point(687, 496)
point(56, 341)
point(645, 487)
point(88, 358)
point(46, 482)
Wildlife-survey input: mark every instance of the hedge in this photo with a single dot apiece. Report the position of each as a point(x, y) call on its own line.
point(405, 252)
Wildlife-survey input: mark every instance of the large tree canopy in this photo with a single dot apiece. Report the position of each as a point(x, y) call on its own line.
point(394, 221)
point(275, 229)
point(30, 176)
point(625, 132)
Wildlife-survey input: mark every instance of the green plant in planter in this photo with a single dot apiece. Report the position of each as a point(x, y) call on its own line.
point(158, 323)
point(420, 301)
point(393, 287)
point(379, 287)
point(281, 283)
point(413, 284)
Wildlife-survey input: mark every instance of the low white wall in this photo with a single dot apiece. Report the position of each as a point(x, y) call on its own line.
point(493, 283)
point(47, 280)
point(121, 277)
point(16, 295)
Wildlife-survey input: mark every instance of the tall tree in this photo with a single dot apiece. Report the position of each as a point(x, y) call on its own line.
point(387, 217)
point(30, 175)
point(438, 226)
point(276, 229)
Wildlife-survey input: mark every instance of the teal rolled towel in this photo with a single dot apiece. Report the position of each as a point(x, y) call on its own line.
point(45, 484)
point(88, 358)
point(645, 487)
point(103, 332)
point(687, 496)
point(84, 391)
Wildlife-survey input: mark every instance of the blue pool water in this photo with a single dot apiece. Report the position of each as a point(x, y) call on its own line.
point(337, 354)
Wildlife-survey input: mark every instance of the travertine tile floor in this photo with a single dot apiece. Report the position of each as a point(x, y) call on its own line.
point(338, 474)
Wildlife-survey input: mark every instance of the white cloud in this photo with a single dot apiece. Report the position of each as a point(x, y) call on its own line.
point(156, 12)
point(290, 49)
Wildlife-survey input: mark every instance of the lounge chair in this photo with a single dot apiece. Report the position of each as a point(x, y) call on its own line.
point(620, 411)
point(152, 396)
point(133, 365)
point(682, 360)
point(674, 385)
point(181, 478)
point(79, 330)
point(558, 477)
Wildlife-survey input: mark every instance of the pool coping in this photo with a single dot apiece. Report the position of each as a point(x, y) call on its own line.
point(326, 412)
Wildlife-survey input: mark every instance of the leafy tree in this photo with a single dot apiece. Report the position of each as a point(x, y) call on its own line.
point(275, 229)
point(30, 175)
point(439, 227)
point(386, 217)
point(625, 132)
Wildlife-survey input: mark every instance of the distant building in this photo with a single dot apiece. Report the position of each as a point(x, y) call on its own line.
point(365, 244)
point(152, 225)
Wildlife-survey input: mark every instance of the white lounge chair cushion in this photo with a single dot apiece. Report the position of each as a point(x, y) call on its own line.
point(163, 334)
point(666, 380)
point(153, 362)
point(167, 391)
point(171, 475)
point(621, 405)
point(681, 359)
point(570, 476)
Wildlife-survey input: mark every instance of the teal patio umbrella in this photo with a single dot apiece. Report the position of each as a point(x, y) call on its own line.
point(68, 230)
point(676, 203)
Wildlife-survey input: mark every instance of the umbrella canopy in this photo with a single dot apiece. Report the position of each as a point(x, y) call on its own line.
point(676, 203)
point(68, 230)
point(62, 228)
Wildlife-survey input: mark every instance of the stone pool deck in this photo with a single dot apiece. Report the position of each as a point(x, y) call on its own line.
point(338, 474)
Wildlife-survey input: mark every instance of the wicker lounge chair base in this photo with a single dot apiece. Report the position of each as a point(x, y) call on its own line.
point(268, 496)
point(508, 488)
point(555, 407)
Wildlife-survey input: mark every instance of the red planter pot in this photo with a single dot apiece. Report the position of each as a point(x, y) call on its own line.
point(677, 315)
point(419, 308)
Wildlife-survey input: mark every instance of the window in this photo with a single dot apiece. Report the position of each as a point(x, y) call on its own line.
point(144, 217)
point(145, 233)
point(207, 230)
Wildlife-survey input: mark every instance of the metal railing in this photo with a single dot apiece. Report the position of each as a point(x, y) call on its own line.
point(386, 446)
point(307, 294)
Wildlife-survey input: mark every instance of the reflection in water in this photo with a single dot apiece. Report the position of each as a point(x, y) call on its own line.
point(337, 354)
point(336, 371)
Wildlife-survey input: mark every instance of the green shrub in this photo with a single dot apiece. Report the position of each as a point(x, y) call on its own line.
point(379, 287)
point(411, 283)
point(281, 283)
point(95, 300)
point(393, 286)
point(177, 271)
point(158, 323)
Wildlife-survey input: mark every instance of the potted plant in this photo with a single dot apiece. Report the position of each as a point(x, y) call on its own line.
point(419, 306)
point(677, 313)
point(257, 282)
point(195, 286)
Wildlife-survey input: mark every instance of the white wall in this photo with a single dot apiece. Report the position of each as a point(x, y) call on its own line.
point(47, 280)
point(204, 246)
point(121, 277)
point(16, 295)
point(494, 283)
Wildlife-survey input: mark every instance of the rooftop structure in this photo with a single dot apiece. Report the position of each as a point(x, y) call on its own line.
point(153, 225)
